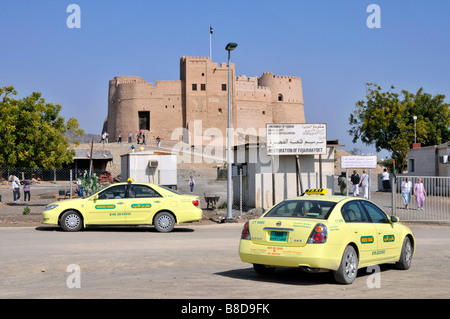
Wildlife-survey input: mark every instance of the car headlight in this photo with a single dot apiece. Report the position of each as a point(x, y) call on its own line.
point(50, 207)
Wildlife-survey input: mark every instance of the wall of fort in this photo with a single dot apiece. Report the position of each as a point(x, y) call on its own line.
point(201, 94)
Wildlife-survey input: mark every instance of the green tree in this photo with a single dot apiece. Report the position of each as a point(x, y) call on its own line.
point(32, 132)
point(386, 120)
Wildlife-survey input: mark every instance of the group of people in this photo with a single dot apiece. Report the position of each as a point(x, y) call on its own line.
point(362, 182)
point(357, 182)
point(140, 138)
point(419, 192)
point(16, 189)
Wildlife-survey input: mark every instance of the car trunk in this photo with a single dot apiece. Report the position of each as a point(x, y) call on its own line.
point(281, 232)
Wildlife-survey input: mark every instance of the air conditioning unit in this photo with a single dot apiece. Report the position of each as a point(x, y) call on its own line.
point(443, 159)
point(152, 164)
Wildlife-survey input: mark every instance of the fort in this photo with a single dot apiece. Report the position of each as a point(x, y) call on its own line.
point(201, 94)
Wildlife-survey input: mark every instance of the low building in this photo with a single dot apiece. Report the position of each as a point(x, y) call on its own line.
point(264, 180)
point(429, 160)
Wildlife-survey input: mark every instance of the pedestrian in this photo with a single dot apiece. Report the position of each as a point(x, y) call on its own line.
point(143, 138)
point(120, 138)
point(27, 191)
point(385, 181)
point(364, 183)
point(420, 193)
point(132, 148)
point(191, 183)
point(342, 182)
point(129, 137)
point(354, 179)
point(16, 188)
point(137, 137)
point(406, 192)
point(80, 186)
point(158, 141)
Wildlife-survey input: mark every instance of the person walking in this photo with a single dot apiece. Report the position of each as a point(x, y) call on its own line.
point(342, 182)
point(385, 181)
point(80, 186)
point(27, 191)
point(191, 183)
point(420, 193)
point(354, 179)
point(406, 192)
point(16, 188)
point(364, 183)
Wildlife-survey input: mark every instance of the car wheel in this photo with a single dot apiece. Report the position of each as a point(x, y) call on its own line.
point(263, 270)
point(71, 221)
point(164, 222)
point(348, 268)
point(406, 256)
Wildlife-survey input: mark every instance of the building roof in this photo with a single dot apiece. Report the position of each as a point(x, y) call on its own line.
point(96, 154)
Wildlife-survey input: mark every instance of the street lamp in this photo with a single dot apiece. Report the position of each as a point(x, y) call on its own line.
point(229, 47)
point(415, 137)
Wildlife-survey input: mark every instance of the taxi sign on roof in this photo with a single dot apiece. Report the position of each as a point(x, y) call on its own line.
point(316, 191)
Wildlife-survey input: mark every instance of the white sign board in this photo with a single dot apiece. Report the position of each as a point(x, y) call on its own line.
point(296, 139)
point(359, 161)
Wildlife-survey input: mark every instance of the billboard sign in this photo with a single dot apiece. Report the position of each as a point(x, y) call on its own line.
point(296, 139)
point(359, 161)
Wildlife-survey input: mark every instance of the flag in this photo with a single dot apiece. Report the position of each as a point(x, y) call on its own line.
point(210, 30)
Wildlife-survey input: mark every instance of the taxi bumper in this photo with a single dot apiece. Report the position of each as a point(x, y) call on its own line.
point(313, 256)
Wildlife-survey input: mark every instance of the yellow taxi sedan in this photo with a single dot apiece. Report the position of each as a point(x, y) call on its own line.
point(326, 233)
point(125, 204)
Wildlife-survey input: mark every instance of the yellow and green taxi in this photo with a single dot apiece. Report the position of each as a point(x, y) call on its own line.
point(125, 204)
point(326, 233)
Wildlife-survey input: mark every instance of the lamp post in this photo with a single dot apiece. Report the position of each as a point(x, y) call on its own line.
point(229, 47)
point(415, 137)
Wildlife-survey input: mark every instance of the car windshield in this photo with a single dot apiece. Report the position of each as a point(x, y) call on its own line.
point(302, 209)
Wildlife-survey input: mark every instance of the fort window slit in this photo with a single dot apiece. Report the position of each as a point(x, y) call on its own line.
point(144, 120)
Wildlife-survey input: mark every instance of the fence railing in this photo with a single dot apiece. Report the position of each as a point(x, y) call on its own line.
point(50, 185)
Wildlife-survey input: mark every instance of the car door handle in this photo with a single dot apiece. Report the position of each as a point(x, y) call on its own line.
point(157, 201)
point(121, 203)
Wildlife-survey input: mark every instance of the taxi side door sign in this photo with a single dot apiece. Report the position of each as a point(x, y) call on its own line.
point(388, 238)
point(111, 206)
point(366, 239)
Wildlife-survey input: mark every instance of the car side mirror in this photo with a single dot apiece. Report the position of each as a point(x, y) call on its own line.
point(394, 219)
point(95, 197)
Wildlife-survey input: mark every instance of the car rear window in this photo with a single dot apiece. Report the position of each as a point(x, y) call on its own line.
point(302, 209)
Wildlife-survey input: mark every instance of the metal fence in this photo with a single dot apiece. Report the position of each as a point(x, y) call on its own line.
point(49, 185)
point(389, 196)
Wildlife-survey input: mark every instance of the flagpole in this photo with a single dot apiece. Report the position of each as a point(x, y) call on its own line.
point(210, 49)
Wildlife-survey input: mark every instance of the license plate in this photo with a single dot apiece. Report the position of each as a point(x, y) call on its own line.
point(278, 236)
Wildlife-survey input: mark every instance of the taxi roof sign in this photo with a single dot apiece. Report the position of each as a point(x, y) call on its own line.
point(316, 191)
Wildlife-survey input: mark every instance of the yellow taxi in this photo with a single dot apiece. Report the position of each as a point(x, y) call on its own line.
point(316, 232)
point(125, 204)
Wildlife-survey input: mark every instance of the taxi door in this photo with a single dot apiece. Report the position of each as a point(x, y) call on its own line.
point(107, 207)
point(389, 243)
point(143, 203)
point(363, 231)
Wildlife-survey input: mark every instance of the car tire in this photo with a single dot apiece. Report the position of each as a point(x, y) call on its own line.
point(164, 222)
point(263, 270)
point(406, 255)
point(348, 269)
point(71, 221)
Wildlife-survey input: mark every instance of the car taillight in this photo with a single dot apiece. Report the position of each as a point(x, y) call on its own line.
point(195, 202)
point(318, 235)
point(245, 232)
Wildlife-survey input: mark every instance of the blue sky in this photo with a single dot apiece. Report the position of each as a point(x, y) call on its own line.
point(327, 43)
